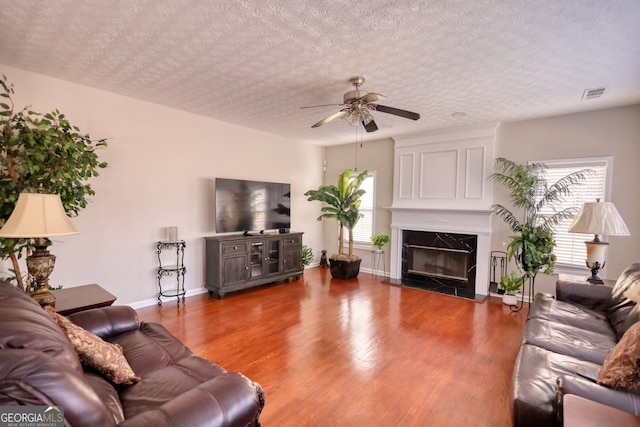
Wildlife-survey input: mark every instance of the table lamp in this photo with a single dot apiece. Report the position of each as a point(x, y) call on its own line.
point(38, 216)
point(598, 218)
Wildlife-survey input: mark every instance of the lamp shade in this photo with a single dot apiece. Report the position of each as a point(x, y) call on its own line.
point(38, 215)
point(599, 218)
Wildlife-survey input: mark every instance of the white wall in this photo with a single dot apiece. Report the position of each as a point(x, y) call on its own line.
point(162, 165)
point(609, 132)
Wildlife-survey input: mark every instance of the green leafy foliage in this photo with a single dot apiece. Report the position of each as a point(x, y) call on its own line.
point(343, 204)
point(307, 255)
point(379, 240)
point(532, 246)
point(511, 282)
point(42, 152)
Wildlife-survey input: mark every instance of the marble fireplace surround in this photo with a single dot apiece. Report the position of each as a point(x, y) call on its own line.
point(440, 185)
point(476, 223)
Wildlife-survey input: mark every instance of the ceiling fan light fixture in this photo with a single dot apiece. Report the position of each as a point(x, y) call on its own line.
point(358, 114)
point(358, 106)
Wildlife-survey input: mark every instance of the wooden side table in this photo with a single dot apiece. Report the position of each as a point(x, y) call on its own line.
point(581, 412)
point(79, 298)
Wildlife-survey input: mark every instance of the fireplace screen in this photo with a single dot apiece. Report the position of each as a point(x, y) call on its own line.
point(439, 262)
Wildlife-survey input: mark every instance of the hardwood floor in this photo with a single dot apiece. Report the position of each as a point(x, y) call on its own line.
point(344, 353)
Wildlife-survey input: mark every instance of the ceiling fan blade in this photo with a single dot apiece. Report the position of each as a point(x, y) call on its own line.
point(323, 105)
point(398, 112)
point(370, 127)
point(328, 119)
point(372, 97)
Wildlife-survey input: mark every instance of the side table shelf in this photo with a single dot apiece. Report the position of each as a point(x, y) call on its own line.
point(176, 269)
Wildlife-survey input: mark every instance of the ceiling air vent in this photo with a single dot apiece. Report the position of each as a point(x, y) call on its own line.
point(593, 93)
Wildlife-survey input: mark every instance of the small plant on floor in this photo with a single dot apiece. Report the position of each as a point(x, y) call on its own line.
point(379, 240)
point(511, 283)
point(307, 255)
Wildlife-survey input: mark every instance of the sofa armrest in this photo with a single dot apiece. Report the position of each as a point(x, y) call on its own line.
point(30, 377)
point(227, 400)
point(625, 401)
point(595, 297)
point(106, 322)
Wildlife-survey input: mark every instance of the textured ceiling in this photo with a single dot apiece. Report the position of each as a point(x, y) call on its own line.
point(255, 63)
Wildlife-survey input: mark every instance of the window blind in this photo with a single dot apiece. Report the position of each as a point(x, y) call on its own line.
point(570, 249)
point(364, 228)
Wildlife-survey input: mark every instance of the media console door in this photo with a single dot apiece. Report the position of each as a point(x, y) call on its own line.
point(292, 253)
point(235, 262)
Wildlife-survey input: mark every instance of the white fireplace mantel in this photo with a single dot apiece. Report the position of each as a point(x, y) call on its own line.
point(476, 222)
point(441, 185)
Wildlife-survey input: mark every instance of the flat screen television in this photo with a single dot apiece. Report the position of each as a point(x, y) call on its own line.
point(252, 205)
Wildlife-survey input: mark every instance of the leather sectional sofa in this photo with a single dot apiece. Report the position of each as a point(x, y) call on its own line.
point(565, 342)
point(39, 366)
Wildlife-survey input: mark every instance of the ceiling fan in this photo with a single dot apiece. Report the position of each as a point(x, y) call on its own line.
point(358, 105)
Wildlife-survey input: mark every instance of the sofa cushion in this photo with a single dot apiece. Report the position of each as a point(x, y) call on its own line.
point(620, 306)
point(105, 357)
point(151, 347)
point(25, 325)
point(569, 340)
point(534, 383)
point(547, 308)
point(31, 377)
point(108, 394)
point(621, 369)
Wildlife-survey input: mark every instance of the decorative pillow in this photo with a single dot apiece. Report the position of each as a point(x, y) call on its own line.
point(106, 357)
point(621, 368)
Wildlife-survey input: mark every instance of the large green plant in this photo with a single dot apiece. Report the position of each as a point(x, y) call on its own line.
point(343, 202)
point(41, 152)
point(532, 245)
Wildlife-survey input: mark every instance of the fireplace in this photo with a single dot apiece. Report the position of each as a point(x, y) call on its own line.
point(441, 250)
point(440, 216)
point(444, 262)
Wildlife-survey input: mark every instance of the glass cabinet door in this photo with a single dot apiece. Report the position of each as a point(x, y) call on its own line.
point(256, 258)
point(273, 256)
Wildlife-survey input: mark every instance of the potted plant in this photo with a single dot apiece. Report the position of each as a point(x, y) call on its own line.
point(532, 244)
point(379, 240)
point(343, 203)
point(511, 283)
point(41, 152)
point(306, 255)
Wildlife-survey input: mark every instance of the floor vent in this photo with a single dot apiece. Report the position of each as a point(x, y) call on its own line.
point(593, 93)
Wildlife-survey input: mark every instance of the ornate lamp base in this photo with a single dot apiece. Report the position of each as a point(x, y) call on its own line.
point(594, 279)
point(40, 265)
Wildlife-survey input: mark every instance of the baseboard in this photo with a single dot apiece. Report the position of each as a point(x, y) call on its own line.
point(154, 301)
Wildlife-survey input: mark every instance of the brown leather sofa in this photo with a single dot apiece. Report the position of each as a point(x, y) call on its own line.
point(565, 342)
point(39, 366)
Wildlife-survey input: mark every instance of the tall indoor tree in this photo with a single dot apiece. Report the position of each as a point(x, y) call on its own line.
point(532, 245)
point(41, 152)
point(343, 204)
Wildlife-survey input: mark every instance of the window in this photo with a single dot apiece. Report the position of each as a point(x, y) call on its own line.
point(363, 230)
point(570, 249)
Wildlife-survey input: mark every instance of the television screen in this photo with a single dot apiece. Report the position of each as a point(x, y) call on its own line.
point(252, 205)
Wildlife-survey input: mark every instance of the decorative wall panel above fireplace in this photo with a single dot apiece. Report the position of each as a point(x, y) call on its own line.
point(444, 171)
